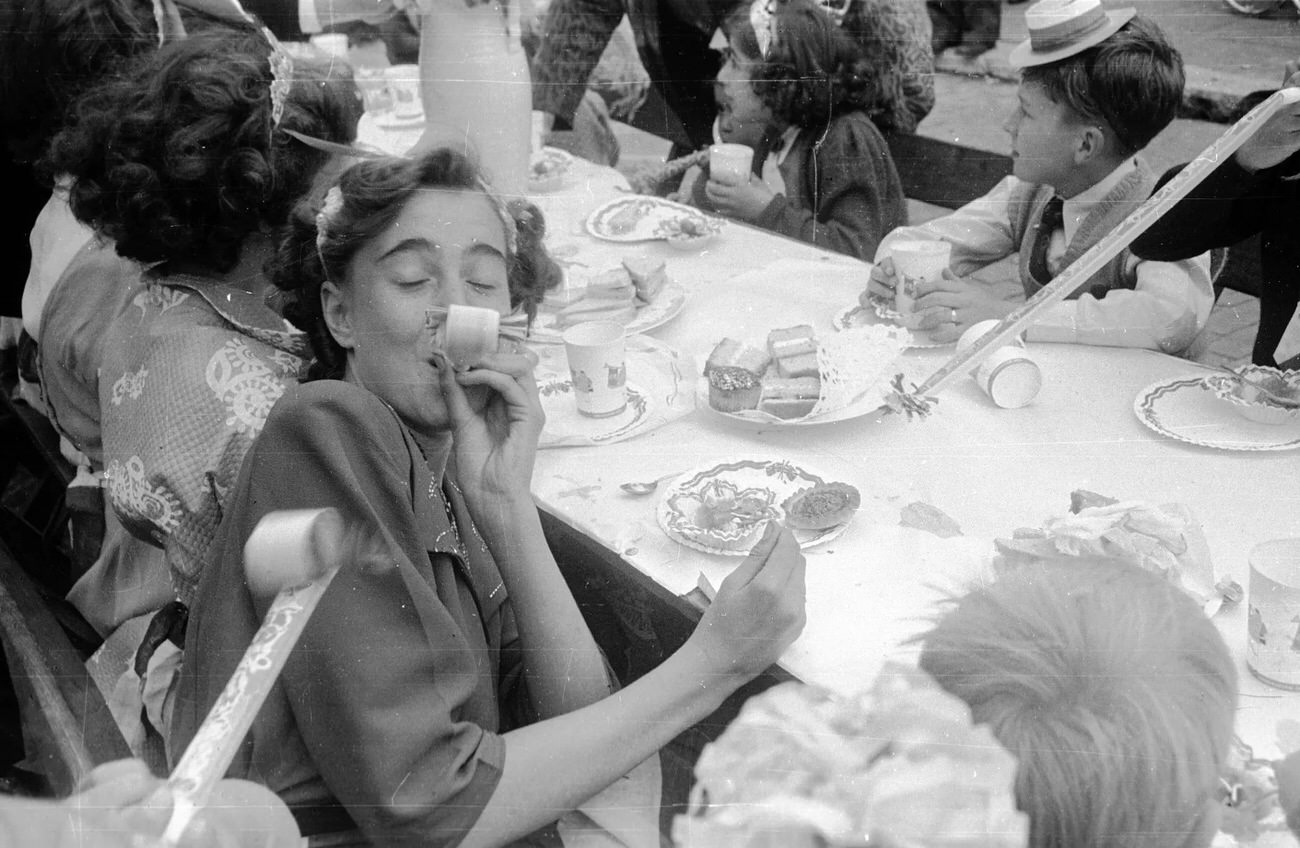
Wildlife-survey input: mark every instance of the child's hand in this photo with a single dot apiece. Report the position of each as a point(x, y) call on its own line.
point(1280, 137)
point(880, 285)
point(947, 307)
point(744, 201)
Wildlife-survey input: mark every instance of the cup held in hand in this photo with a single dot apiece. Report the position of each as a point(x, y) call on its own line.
point(916, 262)
point(731, 163)
point(598, 366)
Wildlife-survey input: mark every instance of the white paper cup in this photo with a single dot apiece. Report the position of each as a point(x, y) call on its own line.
point(1272, 633)
point(598, 367)
point(332, 44)
point(916, 262)
point(977, 331)
point(731, 163)
point(1009, 377)
point(375, 95)
point(404, 85)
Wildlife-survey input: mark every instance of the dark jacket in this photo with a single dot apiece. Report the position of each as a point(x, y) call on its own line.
point(1230, 205)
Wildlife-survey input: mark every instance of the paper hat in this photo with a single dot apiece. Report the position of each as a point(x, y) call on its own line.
point(1059, 29)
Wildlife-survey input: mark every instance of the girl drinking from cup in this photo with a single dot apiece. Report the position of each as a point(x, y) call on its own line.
point(447, 690)
point(822, 171)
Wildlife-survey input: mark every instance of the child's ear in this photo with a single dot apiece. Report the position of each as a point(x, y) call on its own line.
point(334, 307)
point(1090, 144)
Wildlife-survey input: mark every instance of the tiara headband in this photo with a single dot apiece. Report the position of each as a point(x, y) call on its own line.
point(281, 66)
point(762, 19)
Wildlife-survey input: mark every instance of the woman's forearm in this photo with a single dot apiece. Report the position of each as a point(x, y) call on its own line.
point(556, 765)
point(563, 665)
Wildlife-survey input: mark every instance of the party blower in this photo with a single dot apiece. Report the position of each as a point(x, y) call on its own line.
point(919, 400)
point(292, 555)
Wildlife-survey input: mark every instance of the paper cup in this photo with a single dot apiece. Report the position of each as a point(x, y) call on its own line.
point(1273, 620)
point(332, 44)
point(375, 95)
point(404, 85)
point(916, 262)
point(598, 366)
point(731, 163)
point(1009, 377)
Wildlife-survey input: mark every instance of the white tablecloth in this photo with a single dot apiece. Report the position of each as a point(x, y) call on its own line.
point(990, 469)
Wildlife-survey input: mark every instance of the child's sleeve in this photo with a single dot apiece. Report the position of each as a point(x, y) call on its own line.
point(980, 232)
point(1166, 310)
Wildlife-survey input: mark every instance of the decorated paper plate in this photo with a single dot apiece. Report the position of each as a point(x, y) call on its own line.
point(752, 489)
point(664, 308)
point(658, 391)
point(880, 313)
point(643, 218)
point(1187, 409)
point(548, 169)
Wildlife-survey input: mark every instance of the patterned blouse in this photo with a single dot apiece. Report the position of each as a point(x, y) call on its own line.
point(189, 375)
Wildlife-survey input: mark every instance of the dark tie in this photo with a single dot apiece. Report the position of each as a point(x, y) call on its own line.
point(1053, 217)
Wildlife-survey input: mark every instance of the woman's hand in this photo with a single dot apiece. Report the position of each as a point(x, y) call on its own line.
point(1279, 138)
point(880, 285)
point(946, 307)
point(495, 442)
point(744, 201)
point(759, 608)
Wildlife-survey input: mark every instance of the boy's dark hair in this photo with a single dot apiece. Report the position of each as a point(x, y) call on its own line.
point(813, 70)
point(374, 192)
point(1132, 81)
point(1109, 685)
point(179, 161)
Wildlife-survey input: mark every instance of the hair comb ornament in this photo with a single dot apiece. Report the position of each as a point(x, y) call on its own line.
point(837, 9)
point(762, 19)
point(325, 218)
point(281, 66)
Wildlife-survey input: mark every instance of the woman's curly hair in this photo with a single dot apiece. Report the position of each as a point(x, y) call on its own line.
point(178, 160)
point(52, 50)
point(813, 71)
point(373, 193)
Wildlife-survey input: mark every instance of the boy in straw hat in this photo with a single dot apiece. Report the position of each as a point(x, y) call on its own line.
point(1096, 87)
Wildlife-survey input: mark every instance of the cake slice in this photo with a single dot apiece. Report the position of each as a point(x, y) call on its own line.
point(730, 353)
point(614, 284)
point(803, 365)
point(791, 341)
point(648, 276)
point(595, 309)
point(789, 398)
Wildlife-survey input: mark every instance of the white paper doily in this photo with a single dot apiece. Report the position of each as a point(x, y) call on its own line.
point(856, 316)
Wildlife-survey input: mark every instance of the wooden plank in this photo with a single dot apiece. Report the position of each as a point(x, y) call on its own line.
point(942, 173)
point(67, 725)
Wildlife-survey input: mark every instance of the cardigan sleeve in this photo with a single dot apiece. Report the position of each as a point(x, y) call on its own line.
point(575, 36)
point(856, 193)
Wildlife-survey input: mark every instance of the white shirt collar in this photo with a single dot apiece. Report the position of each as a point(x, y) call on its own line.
point(1077, 208)
point(787, 141)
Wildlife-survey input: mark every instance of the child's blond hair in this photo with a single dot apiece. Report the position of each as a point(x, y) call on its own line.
point(1110, 686)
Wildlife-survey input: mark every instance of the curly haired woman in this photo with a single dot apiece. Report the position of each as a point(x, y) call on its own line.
point(181, 165)
point(446, 691)
point(808, 85)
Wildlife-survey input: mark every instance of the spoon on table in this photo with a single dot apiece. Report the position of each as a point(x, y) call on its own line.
point(639, 489)
point(1279, 400)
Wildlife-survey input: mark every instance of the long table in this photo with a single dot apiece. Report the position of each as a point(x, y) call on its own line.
point(990, 469)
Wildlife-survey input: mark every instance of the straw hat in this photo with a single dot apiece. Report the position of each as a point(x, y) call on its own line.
point(1059, 29)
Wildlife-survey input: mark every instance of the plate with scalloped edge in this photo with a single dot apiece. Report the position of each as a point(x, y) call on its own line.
point(1187, 409)
point(765, 482)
